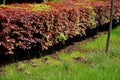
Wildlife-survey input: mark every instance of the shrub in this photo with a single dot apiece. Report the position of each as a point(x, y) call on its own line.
point(32, 27)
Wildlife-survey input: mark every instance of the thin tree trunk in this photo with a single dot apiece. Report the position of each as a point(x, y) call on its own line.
point(4, 2)
point(44, 0)
point(110, 28)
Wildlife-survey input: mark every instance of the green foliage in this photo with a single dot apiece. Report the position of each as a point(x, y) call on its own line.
point(39, 7)
point(92, 16)
point(101, 43)
point(2, 5)
point(29, 7)
point(62, 37)
point(11, 7)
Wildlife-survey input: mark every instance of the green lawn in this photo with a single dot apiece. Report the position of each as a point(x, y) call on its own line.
point(90, 64)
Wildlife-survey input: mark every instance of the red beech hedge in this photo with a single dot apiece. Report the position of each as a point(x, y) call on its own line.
point(26, 26)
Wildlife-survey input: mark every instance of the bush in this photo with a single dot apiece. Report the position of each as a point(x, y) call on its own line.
point(32, 27)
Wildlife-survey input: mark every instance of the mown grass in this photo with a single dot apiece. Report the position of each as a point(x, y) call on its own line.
point(93, 64)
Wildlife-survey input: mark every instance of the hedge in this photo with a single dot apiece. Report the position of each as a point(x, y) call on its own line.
point(28, 26)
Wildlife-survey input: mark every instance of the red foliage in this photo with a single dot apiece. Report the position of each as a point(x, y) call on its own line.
point(22, 29)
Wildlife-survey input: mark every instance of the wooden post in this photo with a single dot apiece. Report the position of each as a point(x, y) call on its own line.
point(110, 28)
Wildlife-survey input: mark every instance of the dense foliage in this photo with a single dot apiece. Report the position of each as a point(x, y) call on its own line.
point(27, 26)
